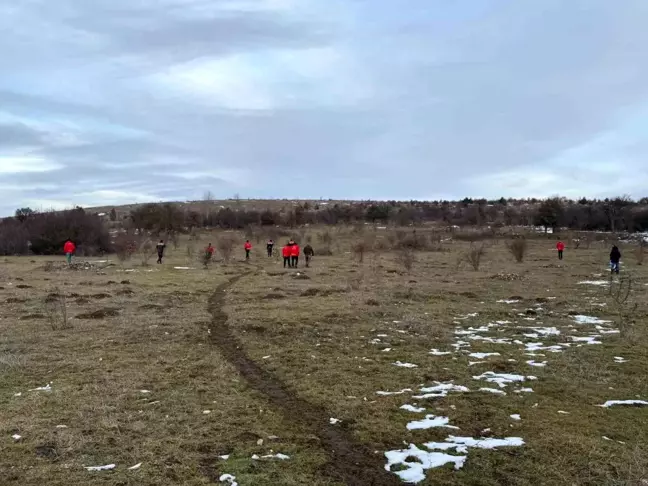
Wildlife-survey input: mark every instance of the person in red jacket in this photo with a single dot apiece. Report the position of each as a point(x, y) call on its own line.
point(560, 246)
point(294, 255)
point(285, 251)
point(69, 248)
point(248, 248)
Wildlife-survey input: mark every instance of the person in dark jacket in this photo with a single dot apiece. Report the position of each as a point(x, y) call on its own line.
point(615, 259)
point(308, 253)
point(270, 247)
point(160, 250)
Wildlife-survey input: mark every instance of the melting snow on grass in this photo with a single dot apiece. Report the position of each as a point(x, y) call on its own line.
point(502, 379)
point(436, 352)
point(440, 390)
point(619, 359)
point(429, 422)
point(482, 355)
point(593, 282)
point(412, 408)
point(46, 388)
point(627, 403)
point(535, 363)
point(580, 319)
point(387, 393)
point(516, 416)
point(107, 467)
point(495, 391)
point(405, 365)
point(508, 301)
point(414, 472)
point(228, 478)
point(135, 467)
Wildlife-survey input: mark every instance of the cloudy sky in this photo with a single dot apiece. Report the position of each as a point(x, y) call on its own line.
point(120, 101)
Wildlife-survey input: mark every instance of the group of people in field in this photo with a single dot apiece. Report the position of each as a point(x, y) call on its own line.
point(615, 256)
point(291, 253)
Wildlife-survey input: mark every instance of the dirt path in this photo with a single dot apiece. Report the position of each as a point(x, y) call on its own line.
point(350, 462)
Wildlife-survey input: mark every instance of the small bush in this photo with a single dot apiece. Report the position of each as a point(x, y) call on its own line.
point(640, 252)
point(518, 249)
point(474, 255)
point(406, 258)
point(56, 311)
point(225, 246)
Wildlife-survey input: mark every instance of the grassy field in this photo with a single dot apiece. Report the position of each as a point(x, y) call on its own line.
point(299, 377)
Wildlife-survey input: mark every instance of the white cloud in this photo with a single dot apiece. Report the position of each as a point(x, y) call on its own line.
point(17, 164)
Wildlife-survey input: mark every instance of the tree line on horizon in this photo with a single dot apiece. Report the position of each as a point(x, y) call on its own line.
point(45, 232)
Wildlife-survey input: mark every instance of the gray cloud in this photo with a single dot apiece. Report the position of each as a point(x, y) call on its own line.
point(358, 99)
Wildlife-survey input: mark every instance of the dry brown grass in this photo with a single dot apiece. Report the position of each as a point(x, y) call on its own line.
point(320, 340)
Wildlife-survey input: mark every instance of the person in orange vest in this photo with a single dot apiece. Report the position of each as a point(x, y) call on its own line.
point(560, 246)
point(285, 251)
point(69, 248)
point(248, 247)
point(294, 255)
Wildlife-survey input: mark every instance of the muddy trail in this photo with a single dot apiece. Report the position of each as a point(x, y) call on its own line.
point(350, 462)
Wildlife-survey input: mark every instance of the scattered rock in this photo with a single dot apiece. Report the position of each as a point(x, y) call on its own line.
point(24, 286)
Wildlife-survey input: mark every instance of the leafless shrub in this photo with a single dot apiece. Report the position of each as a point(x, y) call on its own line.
point(325, 238)
point(225, 246)
point(191, 249)
point(359, 248)
point(518, 248)
point(56, 311)
point(620, 293)
point(194, 235)
point(474, 255)
point(11, 361)
point(406, 258)
point(146, 251)
point(640, 252)
point(126, 245)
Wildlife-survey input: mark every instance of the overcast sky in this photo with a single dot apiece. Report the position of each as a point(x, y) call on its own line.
point(120, 101)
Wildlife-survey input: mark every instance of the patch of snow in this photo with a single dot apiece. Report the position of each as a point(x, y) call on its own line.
point(440, 390)
point(135, 467)
point(619, 359)
point(17, 394)
point(508, 301)
point(206, 412)
point(334, 421)
point(224, 457)
point(183, 268)
point(145, 391)
point(430, 421)
point(228, 478)
point(46, 388)
point(414, 472)
point(493, 390)
point(535, 363)
point(482, 355)
point(412, 408)
point(502, 379)
point(593, 282)
point(563, 412)
point(524, 390)
point(61, 426)
point(405, 365)
point(107, 467)
point(386, 393)
point(516, 416)
point(463, 443)
point(16, 437)
point(632, 403)
point(586, 339)
point(580, 319)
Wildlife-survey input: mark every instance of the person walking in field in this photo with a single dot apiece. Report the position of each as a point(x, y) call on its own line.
point(294, 255)
point(69, 248)
point(615, 259)
point(285, 252)
point(209, 253)
point(270, 247)
point(560, 246)
point(308, 253)
point(248, 248)
point(160, 250)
